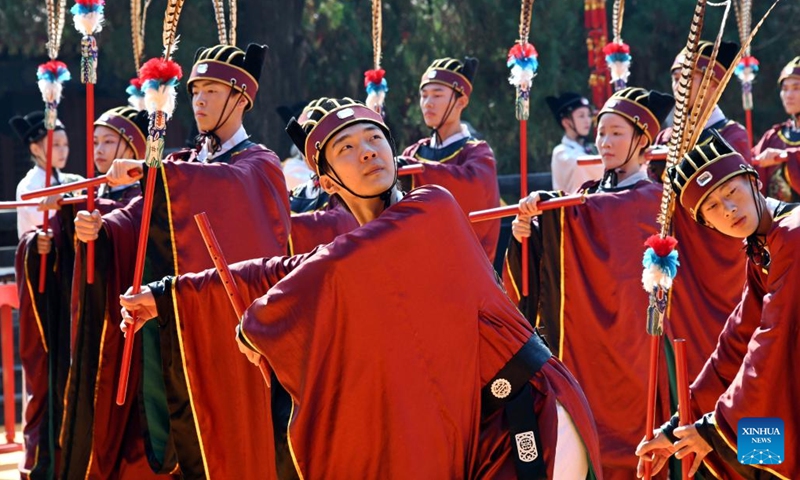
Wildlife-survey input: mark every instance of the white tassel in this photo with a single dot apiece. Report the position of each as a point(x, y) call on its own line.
point(88, 24)
point(51, 91)
point(160, 99)
point(521, 78)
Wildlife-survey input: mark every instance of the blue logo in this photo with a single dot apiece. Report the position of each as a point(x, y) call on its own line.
point(760, 441)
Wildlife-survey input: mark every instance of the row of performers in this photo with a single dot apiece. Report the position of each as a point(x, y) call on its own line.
point(389, 357)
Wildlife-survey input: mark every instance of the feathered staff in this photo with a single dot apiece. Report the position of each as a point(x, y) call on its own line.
point(661, 257)
point(524, 62)
point(374, 80)
point(88, 18)
point(618, 53)
point(159, 77)
point(747, 68)
point(51, 76)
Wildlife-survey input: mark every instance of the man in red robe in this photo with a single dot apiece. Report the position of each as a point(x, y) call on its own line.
point(197, 393)
point(782, 175)
point(727, 199)
point(391, 373)
point(464, 165)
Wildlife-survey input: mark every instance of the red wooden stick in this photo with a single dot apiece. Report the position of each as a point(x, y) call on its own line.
point(655, 153)
point(684, 413)
point(586, 160)
point(63, 201)
point(652, 390)
point(90, 174)
point(46, 221)
point(511, 210)
point(138, 273)
point(410, 169)
point(523, 192)
point(71, 187)
point(235, 296)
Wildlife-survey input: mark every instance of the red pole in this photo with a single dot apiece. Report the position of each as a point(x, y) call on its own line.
point(511, 210)
point(652, 390)
point(74, 186)
point(46, 221)
point(138, 273)
point(748, 118)
point(684, 414)
point(8, 300)
point(237, 301)
point(523, 192)
point(410, 169)
point(90, 174)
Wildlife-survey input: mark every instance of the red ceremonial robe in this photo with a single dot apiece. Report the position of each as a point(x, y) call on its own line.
point(207, 384)
point(468, 170)
point(781, 181)
point(316, 218)
point(101, 439)
point(587, 298)
point(45, 342)
point(385, 365)
point(765, 384)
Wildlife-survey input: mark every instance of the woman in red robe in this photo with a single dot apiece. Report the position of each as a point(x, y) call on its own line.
point(396, 372)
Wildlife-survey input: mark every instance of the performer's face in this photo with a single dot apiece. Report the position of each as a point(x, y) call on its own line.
point(108, 145)
point(60, 150)
point(614, 137)
point(697, 79)
point(790, 95)
point(582, 119)
point(362, 158)
point(434, 101)
point(731, 207)
point(213, 102)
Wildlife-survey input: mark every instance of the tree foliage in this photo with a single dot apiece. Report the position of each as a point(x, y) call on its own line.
point(322, 47)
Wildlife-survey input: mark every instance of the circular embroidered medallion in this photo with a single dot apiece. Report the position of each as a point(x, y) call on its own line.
point(501, 388)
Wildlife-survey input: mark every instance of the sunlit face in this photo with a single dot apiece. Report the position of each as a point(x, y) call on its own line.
point(614, 136)
point(208, 103)
point(60, 149)
point(790, 95)
point(434, 101)
point(582, 121)
point(363, 160)
point(731, 207)
point(108, 145)
point(697, 79)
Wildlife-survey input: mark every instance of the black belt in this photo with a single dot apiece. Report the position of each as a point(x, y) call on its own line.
point(510, 389)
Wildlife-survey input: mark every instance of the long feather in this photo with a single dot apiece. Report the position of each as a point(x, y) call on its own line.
point(617, 19)
point(144, 25)
point(219, 16)
point(232, 13)
point(724, 82)
point(687, 72)
point(136, 18)
point(525, 15)
point(171, 17)
point(700, 105)
point(681, 111)
point(377, 26)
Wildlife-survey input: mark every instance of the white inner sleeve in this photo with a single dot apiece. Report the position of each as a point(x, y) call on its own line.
point(572, 459)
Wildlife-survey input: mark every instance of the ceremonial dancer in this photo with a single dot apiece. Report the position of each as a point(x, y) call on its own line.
point(511, 410)
point(720, 190)
point(453, 159)
point(239, 184)
point(777, 154)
